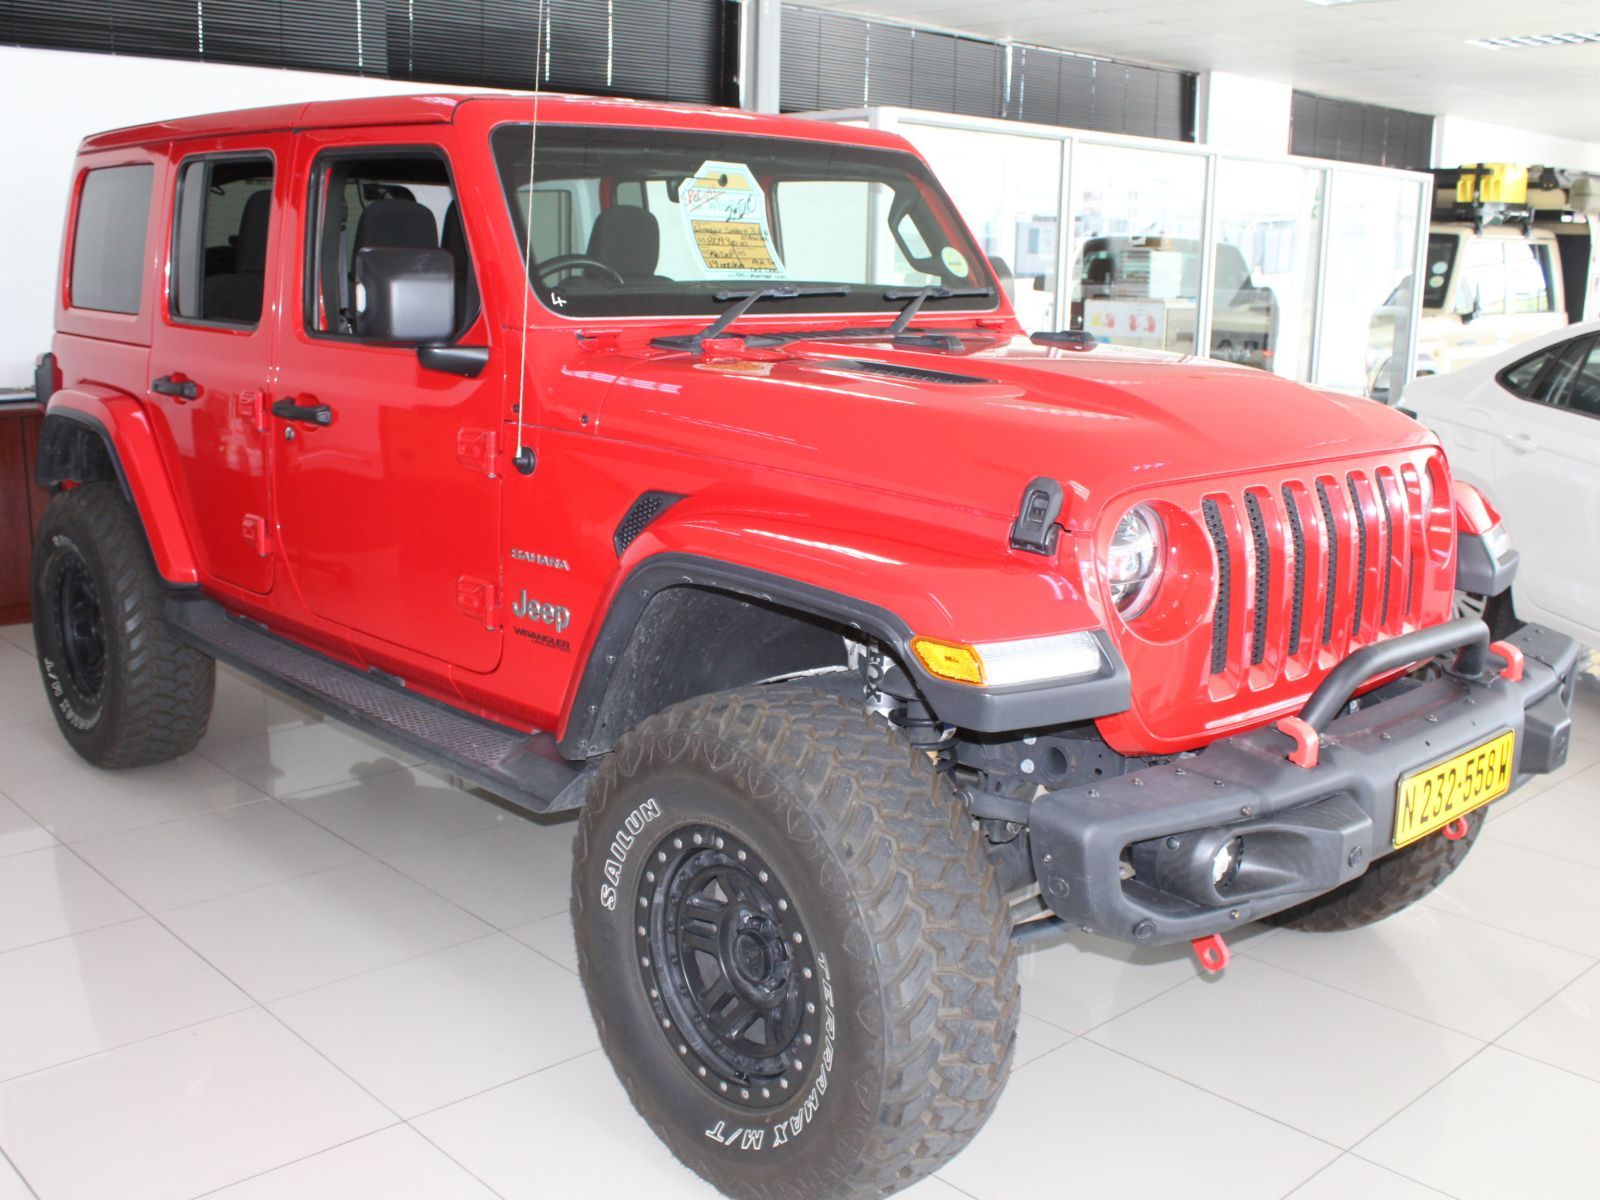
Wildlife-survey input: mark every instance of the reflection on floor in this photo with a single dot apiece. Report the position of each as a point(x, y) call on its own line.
point(296, 965)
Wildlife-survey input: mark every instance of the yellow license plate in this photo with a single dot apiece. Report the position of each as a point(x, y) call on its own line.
point(1431, 798)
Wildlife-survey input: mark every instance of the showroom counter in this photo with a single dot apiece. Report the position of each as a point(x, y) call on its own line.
point(21, 500)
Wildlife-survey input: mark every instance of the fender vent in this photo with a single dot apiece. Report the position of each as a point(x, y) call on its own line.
point(645, 509)
point(867, 366)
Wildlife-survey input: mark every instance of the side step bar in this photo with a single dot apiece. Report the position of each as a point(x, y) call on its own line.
point(525, 769)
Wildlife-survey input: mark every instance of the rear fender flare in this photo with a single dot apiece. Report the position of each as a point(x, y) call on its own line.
point(82, 417)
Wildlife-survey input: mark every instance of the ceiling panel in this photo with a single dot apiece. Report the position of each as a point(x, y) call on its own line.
point(1404, 53)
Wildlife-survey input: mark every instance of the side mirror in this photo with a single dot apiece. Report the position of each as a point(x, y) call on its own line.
point(1008, 279)
point(404, 295)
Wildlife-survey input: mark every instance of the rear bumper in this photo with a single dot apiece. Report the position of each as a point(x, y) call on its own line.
point(1304, 830)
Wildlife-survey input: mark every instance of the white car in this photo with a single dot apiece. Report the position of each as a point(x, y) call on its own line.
point(1524, 427)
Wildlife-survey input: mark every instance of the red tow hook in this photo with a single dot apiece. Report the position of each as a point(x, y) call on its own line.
point(1212, 952)
point(1456, 830)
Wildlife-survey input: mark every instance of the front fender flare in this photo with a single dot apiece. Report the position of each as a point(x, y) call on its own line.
point(987, 710)
point(122, 428)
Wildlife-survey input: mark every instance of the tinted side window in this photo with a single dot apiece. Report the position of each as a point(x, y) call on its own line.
point(108, 250)
point(220, 244)
point(1584, 394)
point(1521, 378)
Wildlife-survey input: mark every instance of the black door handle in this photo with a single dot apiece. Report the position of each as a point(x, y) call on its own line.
point(289, 409)
point(184, 389)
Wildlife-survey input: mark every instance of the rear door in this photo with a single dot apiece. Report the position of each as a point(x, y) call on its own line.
point(388, 513)
point(213, 348)
point(1547, 482)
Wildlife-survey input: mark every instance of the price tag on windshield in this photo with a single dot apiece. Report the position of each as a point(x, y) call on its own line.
point(726, 212)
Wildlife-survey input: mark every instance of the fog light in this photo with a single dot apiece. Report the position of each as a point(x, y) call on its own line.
point(1225, 864)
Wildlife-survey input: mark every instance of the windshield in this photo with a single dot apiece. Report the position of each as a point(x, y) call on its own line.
point(641, 222)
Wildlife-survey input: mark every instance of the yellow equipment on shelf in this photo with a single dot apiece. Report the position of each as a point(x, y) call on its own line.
point(1492, 183)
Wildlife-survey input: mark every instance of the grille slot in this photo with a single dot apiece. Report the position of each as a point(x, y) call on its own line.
point(1219, 617)
point(1263, 564)
point(1289, 550)
point(1332, 532)
point(1299, 534)
point(1386, 520)
point(1361, 553)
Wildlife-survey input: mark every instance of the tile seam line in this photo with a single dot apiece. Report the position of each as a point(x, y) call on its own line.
point(10, 1162)
point(1407, 1107)
point(439, 1108)
point(1489, 1041)
point(137, 828)
point(399, 962)
point(366, 858)
point(1428, 903)
point(222, 1187)
point(1278, 1121)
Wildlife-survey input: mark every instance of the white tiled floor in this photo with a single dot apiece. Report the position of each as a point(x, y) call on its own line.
point(294, 966)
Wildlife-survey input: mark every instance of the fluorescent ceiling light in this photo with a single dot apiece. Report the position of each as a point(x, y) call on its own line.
point(1529, 41)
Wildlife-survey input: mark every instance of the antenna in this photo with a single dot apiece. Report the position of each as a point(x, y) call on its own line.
point(523, 460)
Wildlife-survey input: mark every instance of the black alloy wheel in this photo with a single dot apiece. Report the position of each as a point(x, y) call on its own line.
point(82, 630)
point(728, 967)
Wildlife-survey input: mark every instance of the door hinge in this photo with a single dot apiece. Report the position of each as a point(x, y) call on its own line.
point(251, 408)
point(255, 531)
point(476, 449)
point(479, 599)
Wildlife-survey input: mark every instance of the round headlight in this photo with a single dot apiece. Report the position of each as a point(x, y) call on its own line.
point(1133, 563)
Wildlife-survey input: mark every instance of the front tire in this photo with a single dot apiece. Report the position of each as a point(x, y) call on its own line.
point(794, 946)
point(124, 691)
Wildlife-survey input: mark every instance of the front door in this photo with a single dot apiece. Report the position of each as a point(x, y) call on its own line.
point(211, 354)
point(387, 496)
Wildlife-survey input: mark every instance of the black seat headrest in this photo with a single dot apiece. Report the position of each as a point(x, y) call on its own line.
point(453, 237)
point(626, 239)
point(250, 247)
point(399, 224)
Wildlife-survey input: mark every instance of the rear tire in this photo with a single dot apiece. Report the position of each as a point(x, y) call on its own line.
point(780, 849)
point(124, 691)
point(1391, 884)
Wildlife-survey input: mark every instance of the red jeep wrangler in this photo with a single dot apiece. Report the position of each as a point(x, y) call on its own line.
point(689, 469)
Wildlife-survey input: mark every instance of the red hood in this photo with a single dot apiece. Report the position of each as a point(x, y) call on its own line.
point(1103, 421)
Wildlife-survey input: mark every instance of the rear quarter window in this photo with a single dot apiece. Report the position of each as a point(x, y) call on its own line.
point(108, 248)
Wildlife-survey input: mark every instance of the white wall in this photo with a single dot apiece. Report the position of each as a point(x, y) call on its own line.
point(1458, 140)
point(49, 100)
point(1247, 115)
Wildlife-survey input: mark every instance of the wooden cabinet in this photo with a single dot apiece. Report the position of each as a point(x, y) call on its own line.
point(21, 505)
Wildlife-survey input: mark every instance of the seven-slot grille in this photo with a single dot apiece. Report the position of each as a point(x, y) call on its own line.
point(1309, 569)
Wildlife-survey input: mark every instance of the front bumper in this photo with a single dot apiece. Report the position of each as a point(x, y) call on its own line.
point(1304, 830)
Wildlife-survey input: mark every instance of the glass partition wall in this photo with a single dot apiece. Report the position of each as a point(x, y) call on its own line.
point(1290, 265)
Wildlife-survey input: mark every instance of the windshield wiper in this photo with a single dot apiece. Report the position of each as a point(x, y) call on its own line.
point(746, 300)
point(920, 296)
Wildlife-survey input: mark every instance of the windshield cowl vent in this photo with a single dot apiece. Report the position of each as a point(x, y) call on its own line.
point(867, 366)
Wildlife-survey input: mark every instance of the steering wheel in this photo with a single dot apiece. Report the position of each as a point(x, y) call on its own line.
point(577, 262)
